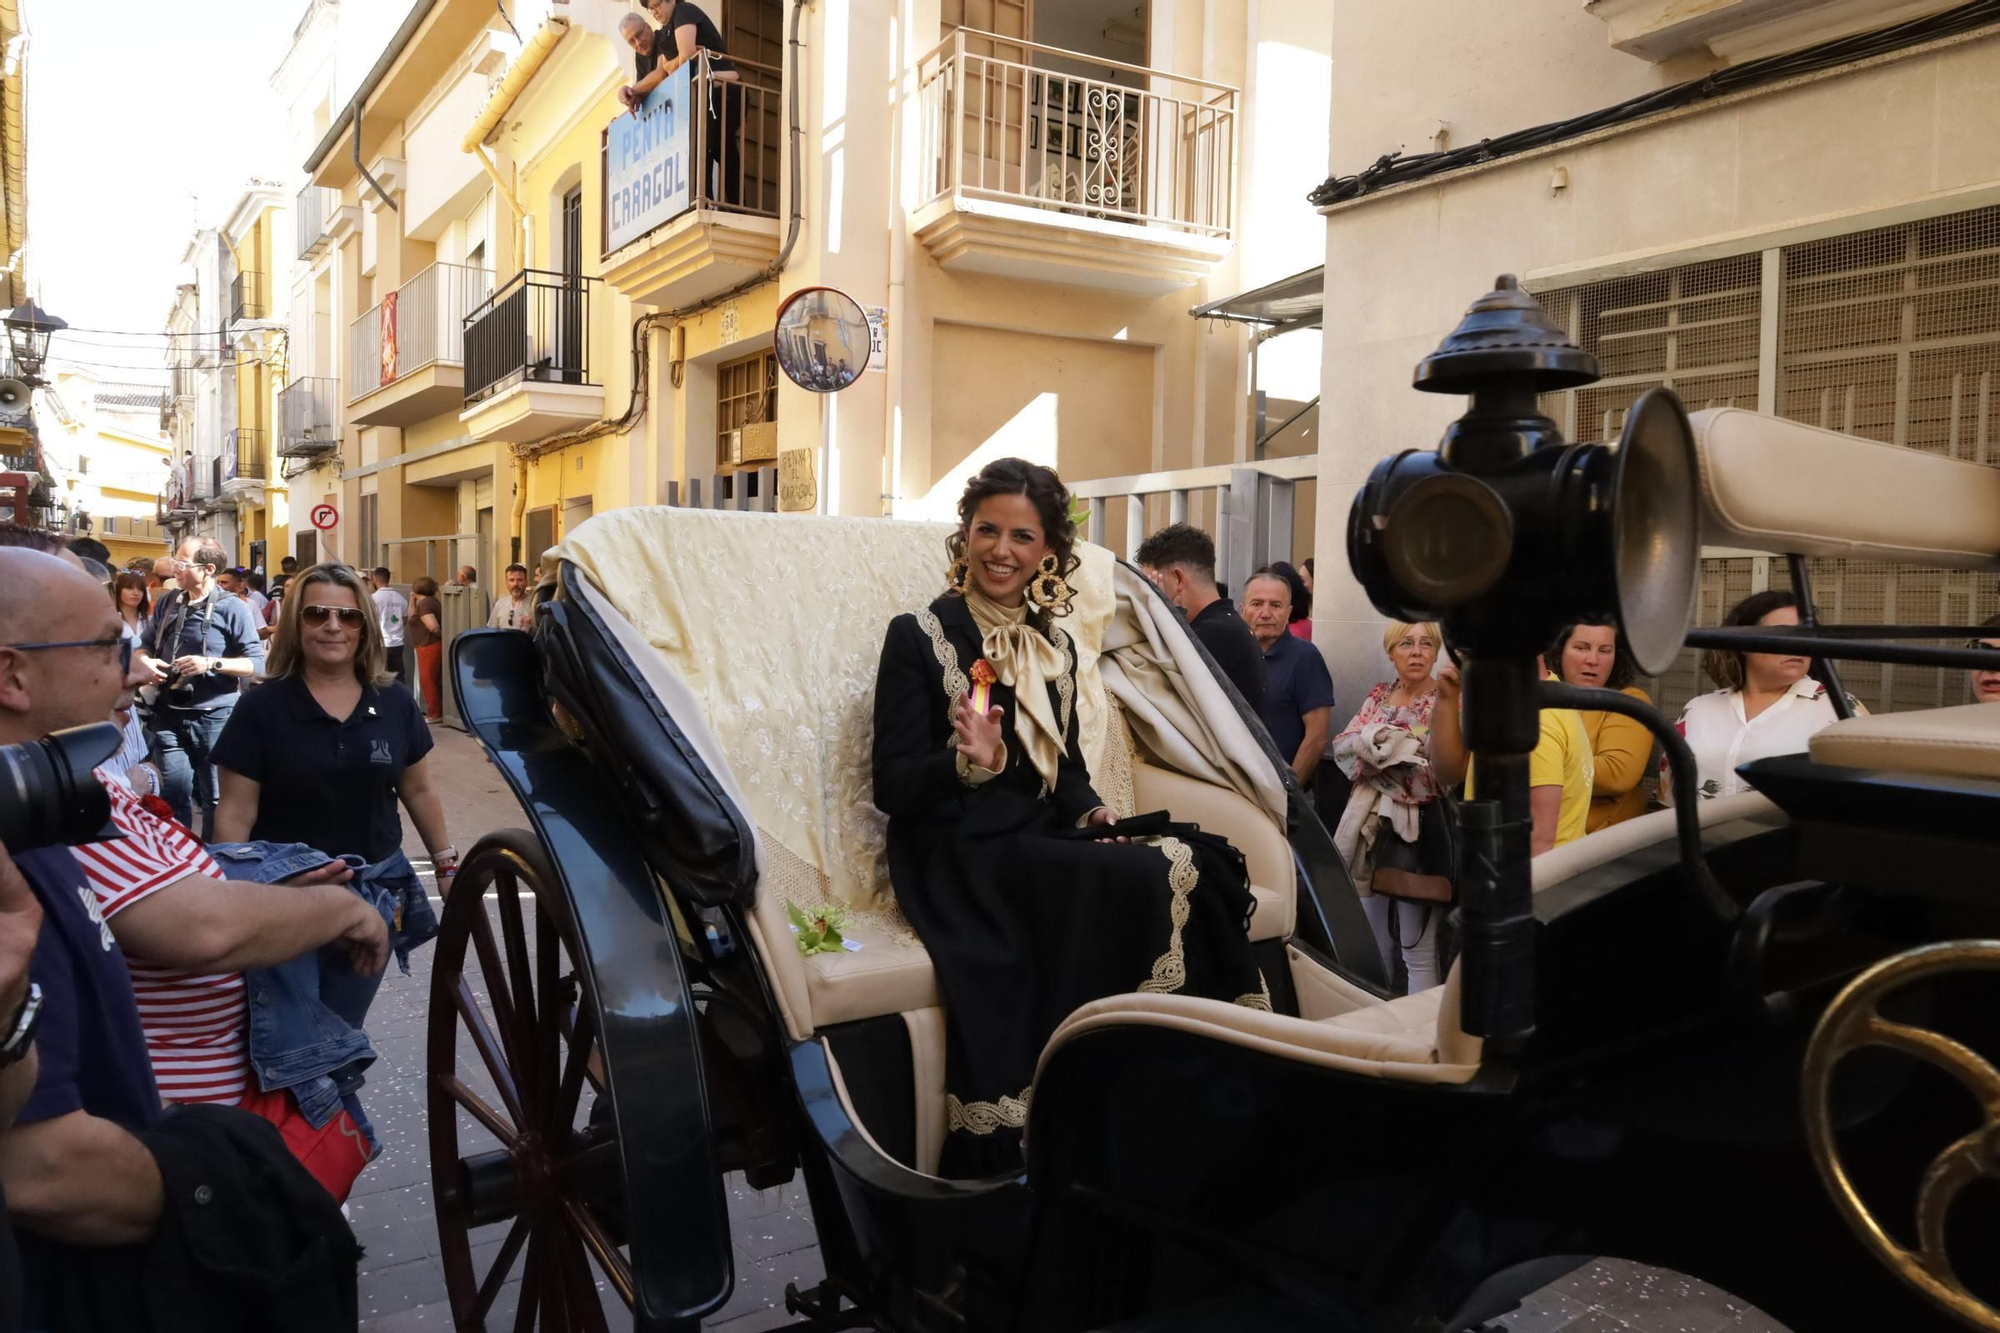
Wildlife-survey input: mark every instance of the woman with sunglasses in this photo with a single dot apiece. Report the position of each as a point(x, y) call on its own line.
point(325, 748)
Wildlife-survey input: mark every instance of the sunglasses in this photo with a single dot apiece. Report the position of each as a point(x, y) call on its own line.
point(118, 641)
point(349, 617)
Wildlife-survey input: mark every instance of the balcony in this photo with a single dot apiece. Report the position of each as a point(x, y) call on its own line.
point(248, 298)
point(242, 469)
point(309, 410)
point(724, 228)
point(322, 220)
point(527, 359)
point(1124, 181)
point(406, 356)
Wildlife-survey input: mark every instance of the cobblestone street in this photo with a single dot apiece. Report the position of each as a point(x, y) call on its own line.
point(402, 1279)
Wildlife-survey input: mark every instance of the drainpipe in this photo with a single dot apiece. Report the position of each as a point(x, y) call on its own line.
point(516, 525)
point(519, 74)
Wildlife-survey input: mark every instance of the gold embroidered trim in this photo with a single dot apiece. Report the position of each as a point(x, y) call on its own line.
point(1170, 968)
point(956, 686)
point(1066, 682)
point(986, 1117)
point(1262, 999)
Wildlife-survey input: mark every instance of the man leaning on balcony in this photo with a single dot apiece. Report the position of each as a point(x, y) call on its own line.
point(657, 54)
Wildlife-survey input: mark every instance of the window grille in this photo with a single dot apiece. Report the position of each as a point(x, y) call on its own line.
point(1891, 334)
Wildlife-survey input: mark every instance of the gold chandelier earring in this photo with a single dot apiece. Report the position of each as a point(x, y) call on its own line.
point(956, 578)
point(1049, 590)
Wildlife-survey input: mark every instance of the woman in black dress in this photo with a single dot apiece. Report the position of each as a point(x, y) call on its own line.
point(976, 764)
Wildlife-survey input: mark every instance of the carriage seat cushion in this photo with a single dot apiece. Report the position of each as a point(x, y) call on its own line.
point(1961, 742)
point(1610, 843)
point(1895, 504)
point(1266, 852)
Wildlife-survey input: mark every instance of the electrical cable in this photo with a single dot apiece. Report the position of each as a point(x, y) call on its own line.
point(1397, 169)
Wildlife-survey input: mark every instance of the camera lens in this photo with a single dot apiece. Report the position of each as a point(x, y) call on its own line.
point(48, 792)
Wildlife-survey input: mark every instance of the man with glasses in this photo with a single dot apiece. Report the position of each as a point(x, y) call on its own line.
point(203, 643)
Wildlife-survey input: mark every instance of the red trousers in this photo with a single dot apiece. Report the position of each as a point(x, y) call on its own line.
point(430, 671)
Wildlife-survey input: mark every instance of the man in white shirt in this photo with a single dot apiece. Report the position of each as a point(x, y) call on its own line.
point(392, 609)
point(517, 609)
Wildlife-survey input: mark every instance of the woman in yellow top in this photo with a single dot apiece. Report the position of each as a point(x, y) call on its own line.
point(1586, 654)
point(1559, 770)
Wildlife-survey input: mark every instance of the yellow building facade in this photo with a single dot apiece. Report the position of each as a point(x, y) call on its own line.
point(1029, 204)
point(108, 457)
point(257, 342)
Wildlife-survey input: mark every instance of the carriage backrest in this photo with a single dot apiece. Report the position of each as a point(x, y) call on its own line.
point(1769, 484)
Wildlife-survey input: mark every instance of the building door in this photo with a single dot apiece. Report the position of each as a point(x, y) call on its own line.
point(993, 93)
point(306, 547)
point(570, 330)
point(541, 535)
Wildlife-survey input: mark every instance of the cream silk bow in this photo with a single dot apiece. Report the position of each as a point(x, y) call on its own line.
point(1028, 663)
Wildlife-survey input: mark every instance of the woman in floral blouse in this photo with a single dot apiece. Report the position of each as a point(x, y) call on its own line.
point(1393, 834)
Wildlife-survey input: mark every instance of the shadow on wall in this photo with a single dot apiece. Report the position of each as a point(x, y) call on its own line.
point(1082, 406)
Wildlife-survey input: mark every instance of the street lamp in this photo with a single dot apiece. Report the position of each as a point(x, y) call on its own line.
point(29, 328)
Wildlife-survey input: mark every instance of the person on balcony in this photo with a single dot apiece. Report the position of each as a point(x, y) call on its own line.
point(1001, 853)
point(685, 30)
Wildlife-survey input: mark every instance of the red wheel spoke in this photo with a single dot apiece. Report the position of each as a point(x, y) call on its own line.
point(548, 1026)
point(514, 935)
point(503, 1263)
point(480, 1111)
point(496, 981)
point(489, 1053)
point(607, 1255)
point(586, 1308)
point(582, 1040)
point(531, 1282)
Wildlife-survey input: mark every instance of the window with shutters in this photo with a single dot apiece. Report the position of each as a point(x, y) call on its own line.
point(746, 392)
point(1891, 334)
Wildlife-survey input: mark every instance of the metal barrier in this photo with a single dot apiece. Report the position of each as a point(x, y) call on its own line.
point(1253, 504)
point(754, 489)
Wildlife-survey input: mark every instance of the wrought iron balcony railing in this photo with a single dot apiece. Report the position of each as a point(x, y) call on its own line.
point(535, 328)
point(243, 457)
point(420, 323)
point(313, 213)
point(1123, 144)
point(247, 298)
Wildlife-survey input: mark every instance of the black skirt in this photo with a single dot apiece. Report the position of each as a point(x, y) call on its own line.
point(1024, 927)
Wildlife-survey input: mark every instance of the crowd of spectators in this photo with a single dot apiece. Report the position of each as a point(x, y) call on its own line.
point(254, 850)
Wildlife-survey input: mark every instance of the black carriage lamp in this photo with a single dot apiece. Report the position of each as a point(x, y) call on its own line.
point(1504, 533)
point(29, 329)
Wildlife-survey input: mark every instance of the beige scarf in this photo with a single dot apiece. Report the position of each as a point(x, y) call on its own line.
point(1024, 659)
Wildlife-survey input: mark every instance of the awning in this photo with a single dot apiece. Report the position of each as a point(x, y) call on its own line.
point(1289, 303)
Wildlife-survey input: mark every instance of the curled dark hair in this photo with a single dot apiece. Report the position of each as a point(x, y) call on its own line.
point(1044, 489)
point(1622, 672)
point(1728, 669)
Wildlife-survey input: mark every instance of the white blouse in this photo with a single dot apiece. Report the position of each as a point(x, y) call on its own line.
point(1723, 741)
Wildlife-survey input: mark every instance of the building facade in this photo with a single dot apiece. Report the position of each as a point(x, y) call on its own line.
point(1823, 246)
point(1029, 199)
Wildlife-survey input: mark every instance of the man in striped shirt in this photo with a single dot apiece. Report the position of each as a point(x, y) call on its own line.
point(188, 935)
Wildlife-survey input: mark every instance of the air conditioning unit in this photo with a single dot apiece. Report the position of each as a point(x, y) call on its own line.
point(755, 443)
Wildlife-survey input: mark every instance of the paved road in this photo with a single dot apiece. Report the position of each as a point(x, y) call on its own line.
point(402, 1281)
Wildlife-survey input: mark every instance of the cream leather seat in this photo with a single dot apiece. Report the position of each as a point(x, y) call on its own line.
point(1961, 742)
point(657, 578)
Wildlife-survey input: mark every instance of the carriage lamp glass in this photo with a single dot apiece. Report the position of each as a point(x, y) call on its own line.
point(29, 329)
point(822, 339)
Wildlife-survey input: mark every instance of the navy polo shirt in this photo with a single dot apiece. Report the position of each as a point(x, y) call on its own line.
point(328, 782)
point(1296, 681)
point(91, 1049)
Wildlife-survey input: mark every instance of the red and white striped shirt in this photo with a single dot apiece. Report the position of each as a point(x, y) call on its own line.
point(195, 1025)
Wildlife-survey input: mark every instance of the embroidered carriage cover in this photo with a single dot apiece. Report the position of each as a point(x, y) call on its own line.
point(775, 623)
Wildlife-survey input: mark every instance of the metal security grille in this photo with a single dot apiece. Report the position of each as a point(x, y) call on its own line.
point(1891, 334)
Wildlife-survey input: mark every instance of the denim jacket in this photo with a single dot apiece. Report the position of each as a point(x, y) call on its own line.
point(307, 1015)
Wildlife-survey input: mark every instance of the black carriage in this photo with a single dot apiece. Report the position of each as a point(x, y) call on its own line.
point(1641, 1052)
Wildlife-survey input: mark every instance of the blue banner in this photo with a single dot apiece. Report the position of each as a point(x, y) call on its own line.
point(646, 162)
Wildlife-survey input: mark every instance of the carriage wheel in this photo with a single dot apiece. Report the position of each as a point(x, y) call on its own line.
point(512, 1135)
point(1855, 1020)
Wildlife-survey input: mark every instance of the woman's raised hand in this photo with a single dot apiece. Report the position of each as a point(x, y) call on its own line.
point(1449, 685)
point(979, 735)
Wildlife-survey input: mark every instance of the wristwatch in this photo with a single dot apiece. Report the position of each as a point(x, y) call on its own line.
point(21, 1034)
